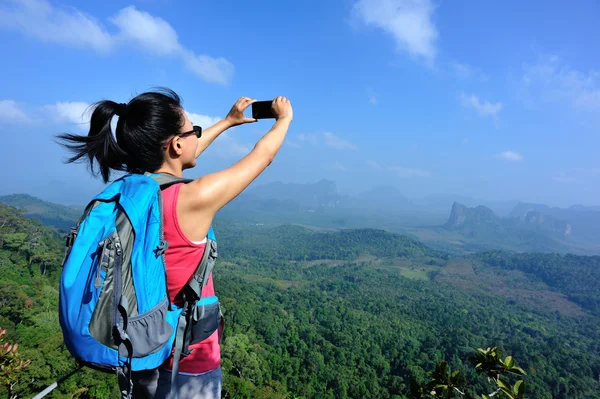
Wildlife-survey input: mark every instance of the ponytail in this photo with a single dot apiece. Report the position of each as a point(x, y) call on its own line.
point(145, 124)
point(100, 144)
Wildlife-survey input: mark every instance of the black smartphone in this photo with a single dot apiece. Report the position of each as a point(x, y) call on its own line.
point(262, 110)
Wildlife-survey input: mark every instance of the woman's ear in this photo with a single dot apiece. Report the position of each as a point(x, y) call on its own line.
point(177, 146)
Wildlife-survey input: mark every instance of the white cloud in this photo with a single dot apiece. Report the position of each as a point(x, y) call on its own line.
point(510, 156)
point(409, 22)
point(227, 147)
point(152, 34)
point(373, 164)
point(224, 146)
point(10, 112)
point(71, 27)
point(483, 108)
point(202, 120)
point(466, 71)
point(409, 172)
point(371, 95)
point(586, 176)
point(72, 112)
point(552, 80)
point(338, 166)
point(309, 138)
point(328, 139)
point(40, 20)
point(333, 141)
point(156, 36)
point(587, 171)
point(564, 179)
point(215, 70)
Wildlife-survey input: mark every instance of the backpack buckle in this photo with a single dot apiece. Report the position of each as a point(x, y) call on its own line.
point(71, 237)
point(161, 248)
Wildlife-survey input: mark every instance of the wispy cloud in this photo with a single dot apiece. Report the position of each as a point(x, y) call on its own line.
point(510, 156)
point(483, 108)
point(307, 138)
point(327, 139)
point(409, 172)
point(585, 176)
point(373, 164)
point(202, 120)
point(72, 112)
point(409, 22)
point(333, 141)
point(466, 71)
point(224, 146)
point(68, 26)
point(552, 80)
point(156, 36)
point(11, 112)
point(371, 95)
point(71, 27)
point(338, 166)
point(564, 179)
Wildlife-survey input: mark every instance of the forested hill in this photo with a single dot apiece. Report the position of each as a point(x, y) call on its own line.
point(356, 314)
point(298, 243)
point(60, 216)
point(576, 277)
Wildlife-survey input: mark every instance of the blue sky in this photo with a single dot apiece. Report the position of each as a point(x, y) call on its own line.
point(496, 100)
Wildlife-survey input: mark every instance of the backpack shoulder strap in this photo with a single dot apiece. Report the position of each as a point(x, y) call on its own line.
point(191, 294)
point(165, 180)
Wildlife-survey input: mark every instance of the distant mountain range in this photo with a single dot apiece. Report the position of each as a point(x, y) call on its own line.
point(481, 219)
point(528, 228)
point(60, 216)
point(470, 227)
point(324, 194)
point(584, 220)
point(483, 224)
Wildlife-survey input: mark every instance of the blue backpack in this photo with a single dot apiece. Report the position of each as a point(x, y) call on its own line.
point(114, 308)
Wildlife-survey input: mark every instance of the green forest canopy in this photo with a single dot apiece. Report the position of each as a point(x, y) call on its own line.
point(312, 315)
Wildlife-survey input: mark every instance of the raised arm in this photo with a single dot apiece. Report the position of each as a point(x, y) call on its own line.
point(234, 117)
point(206, 195)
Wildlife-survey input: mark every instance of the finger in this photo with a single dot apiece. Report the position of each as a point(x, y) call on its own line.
point(247, 103)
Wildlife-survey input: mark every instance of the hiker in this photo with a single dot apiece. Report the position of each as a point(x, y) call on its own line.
point(154, 136)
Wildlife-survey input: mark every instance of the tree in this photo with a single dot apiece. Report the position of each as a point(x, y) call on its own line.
point(11, 365)
point(445, 384)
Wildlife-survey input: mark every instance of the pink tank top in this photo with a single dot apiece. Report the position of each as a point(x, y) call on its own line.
point(182, 257)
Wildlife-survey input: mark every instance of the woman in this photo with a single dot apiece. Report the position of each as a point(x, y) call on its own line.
point(154, 134)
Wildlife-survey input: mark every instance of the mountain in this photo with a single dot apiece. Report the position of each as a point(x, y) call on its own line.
point(386, 198)
point(547, 224)
point(310, 195)
point(60, 216)
point(583, 221)
point(481, 229)
point(481, 217)
point(441, 202)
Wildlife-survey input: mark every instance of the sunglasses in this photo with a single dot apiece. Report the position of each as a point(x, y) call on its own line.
point(197, 130)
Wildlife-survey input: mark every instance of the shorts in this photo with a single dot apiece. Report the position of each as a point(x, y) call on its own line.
point(156, 384)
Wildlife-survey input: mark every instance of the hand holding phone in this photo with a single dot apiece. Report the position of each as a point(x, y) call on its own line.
point(262, 110)
point(278, 108)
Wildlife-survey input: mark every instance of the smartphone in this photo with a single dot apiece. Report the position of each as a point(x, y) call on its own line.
point(262, 110)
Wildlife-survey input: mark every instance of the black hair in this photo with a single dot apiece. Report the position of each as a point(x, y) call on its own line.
point(144, 126)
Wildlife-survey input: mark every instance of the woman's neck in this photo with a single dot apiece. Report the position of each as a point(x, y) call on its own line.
point(167, 170)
